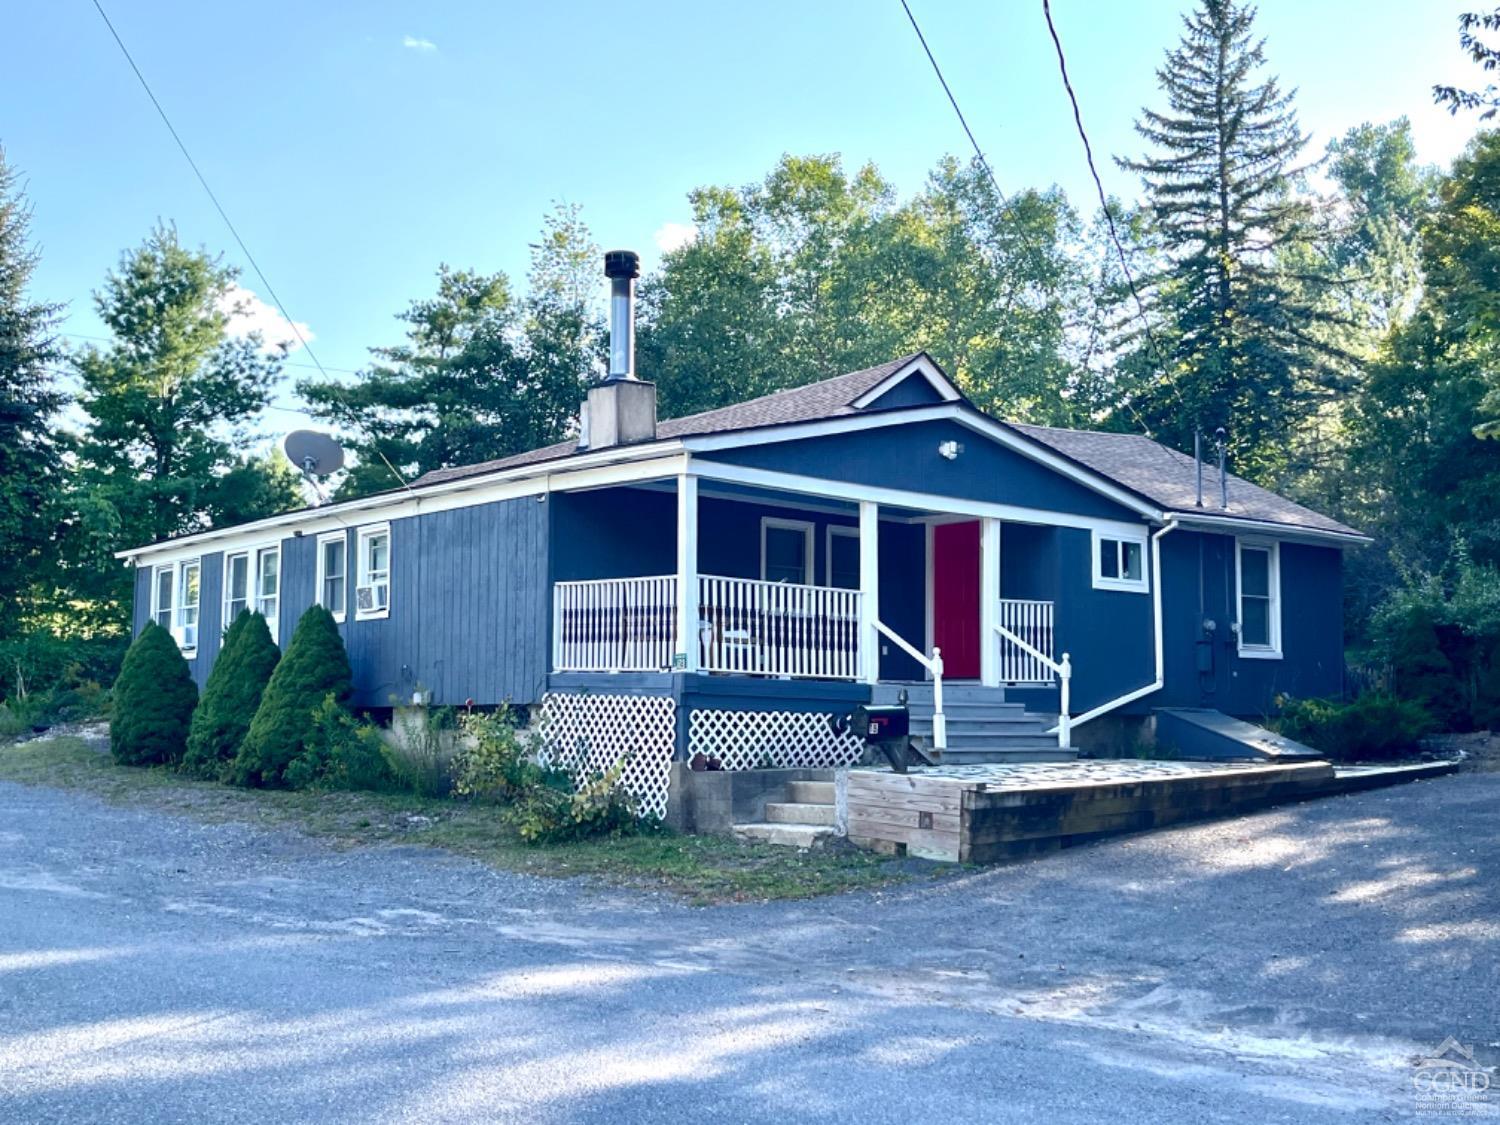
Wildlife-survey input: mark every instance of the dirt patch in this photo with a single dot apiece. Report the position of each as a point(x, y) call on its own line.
point(1478, 751)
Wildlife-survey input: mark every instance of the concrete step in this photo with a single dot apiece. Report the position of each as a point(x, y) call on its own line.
point(1020, 724)
point(1029, 740)
point(788, 835)
point(810, 792)
point(795, 812)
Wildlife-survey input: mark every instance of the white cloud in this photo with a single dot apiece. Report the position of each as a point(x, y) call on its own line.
point(248, 313)
point(674, 236)
point(412, 43)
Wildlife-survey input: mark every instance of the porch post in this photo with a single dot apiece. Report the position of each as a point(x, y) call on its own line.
point(989, 601)
point(869, 588)
point(687, 574)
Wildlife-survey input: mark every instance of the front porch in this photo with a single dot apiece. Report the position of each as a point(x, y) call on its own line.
point(709, 584)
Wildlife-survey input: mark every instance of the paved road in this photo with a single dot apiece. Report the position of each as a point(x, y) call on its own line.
point(1283, 967)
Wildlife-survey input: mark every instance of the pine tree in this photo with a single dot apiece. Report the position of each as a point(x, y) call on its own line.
point(154, 697)
point(315, 666)
point(231, 696)
point(1237, 324)
point(30, 462)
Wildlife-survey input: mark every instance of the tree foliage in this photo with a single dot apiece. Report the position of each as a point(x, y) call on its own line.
point(315, 665)
point(230, 697)
point(154, 697)
point(1472, 27)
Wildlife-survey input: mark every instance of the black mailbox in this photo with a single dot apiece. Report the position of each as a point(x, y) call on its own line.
point(887, 728)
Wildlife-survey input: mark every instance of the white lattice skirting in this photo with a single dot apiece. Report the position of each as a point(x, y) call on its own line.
point(747, 740)
point(586, 734)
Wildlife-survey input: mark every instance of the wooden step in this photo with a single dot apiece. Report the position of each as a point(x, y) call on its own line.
point(969, 756)
point(810, 792)
point(787, 835)
point(795, 812)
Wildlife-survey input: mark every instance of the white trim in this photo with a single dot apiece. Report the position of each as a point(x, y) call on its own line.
point(1271, 651)
point(869, 587)
point(922, 365)
point(341, 536)
point(687, 650)
point(1284, 531)
point(989, 601)
point(928, 593)
point(1140, 585)
point(226, 619)
point(808, 529)
point(362, 536)
point(273, 620)
point(156, 573)
point(848, 532)
point(900, 498)
point(959, 412)
point(179, 606)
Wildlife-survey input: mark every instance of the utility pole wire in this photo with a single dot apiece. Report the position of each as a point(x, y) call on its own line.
point(214, 199)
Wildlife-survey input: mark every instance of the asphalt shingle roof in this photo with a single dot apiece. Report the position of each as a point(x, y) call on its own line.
point(1158, 474)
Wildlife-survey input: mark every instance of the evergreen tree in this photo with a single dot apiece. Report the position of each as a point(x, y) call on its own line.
point(1237, 328)
point(315, 666)
point(30, 460)
point(167, 404)
point(154, 697)
point(231, 695)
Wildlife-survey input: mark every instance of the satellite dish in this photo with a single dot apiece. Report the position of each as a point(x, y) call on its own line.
point(316, 454)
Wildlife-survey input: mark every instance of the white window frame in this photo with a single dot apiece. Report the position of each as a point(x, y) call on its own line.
point(156, 606)
point(228, 613)
point(1272, 547)
point(808, 529)
point(833, 530)
point(273, 620)
point(362, 538)
point(340, 610)
point(1140, 585)
point(180, 606)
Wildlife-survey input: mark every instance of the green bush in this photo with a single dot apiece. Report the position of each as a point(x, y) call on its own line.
point(420, 749)
point(542, 803)
point(1422, 671)
point(1376, 726)
point(315, 665)
point(37, 662)
point(154, 698)
point(231, 696)
point(340, 752)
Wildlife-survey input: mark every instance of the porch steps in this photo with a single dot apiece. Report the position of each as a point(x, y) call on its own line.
point(805, 820)
point(982, 726)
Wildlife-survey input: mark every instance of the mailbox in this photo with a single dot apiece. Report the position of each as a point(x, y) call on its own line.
point(887, 728)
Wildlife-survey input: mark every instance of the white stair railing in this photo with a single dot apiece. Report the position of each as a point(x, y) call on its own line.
point(933, 664)
point(1062, 669)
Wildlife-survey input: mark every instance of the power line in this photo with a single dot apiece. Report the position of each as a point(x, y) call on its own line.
point(214, 199)
point(1109, 218)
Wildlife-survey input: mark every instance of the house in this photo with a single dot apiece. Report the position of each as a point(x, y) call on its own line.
point(724, 583)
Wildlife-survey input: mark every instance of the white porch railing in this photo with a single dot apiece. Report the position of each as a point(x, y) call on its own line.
point(778, 629)
point(614, 625)
point(1031, 621)
point(1062, 670)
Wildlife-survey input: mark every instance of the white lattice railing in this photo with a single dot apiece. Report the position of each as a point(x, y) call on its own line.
point(614, 625)
point(778, 629)
point(1031, 621)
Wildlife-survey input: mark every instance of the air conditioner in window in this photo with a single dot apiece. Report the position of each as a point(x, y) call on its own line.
point(370, 599)
point(186, 636)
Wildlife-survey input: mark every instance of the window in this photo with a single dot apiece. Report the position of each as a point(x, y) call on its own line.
point(1120, 562)
point(1258, 569)
point(163, 584)
point(843, 557)
point(187, 605)
point(236, 586)
point(268, 587)
point(333, 569)
point(786, 548)
point(372, 597)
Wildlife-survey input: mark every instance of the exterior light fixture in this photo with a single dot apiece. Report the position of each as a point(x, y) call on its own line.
point(951, 449)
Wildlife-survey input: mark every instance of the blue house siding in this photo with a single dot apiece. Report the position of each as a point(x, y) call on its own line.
point(210, 616)
point(911, 391)
point(613, 533)
point(141, 611)
point(906, 457)
point(903, 597)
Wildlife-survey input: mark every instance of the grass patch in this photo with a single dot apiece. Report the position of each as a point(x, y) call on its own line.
point(706, 869)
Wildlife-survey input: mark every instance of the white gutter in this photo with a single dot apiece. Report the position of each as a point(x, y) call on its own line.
point(1288, 531)
point(1161, 657)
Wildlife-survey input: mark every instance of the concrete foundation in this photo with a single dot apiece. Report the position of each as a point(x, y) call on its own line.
point(712, 802)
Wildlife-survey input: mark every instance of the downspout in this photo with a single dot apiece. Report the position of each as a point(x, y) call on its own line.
point(1160, 637)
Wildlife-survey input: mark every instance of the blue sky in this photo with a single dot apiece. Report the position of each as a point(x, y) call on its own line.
point(357, 145)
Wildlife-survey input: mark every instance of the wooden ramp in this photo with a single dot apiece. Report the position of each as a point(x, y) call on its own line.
point(989, 813)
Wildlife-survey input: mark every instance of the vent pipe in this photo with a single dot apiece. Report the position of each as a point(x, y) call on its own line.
point(621, 410)
point(1198, 462)
point(1221, 440)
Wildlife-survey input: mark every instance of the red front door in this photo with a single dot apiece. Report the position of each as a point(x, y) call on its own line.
point(955, 597)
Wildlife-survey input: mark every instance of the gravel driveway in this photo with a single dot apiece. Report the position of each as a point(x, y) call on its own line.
point(1281, 967)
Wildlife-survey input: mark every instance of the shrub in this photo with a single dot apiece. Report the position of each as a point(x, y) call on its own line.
point(153, 701)
point(1422, 671)
point(542, 803)
point(315, 666)
point(420, 749)
point(340, 752)
point(1487, 693)
point(231, 696)
point(38, 661)
point(1375, 726)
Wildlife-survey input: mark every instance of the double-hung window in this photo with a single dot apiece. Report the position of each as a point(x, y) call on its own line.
point(843, 557)
point(372, 594)
point(333, 572)
point(188, 585)
point(1120, 562)
point(163, 589)
point(786, 551)
point(1258, 569)
point(268, 587)
point(236, 586)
